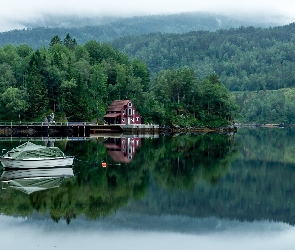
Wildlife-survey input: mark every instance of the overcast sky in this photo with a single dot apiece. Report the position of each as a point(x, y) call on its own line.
point(14, 12)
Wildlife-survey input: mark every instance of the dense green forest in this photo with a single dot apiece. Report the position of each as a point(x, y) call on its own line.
point(256, 64)
point(105, 29)
point(78, 82)
point(267, 106)
point(246, 58)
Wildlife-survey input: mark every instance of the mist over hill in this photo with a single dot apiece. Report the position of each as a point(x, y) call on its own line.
point(39, 32)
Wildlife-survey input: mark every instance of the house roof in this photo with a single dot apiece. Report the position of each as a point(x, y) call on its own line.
point(112, 115)
point(117, 105)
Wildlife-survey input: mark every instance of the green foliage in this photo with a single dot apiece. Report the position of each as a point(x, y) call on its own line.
point(262, 107)
point(80, 81)
point(14, 100)
point(245, 58)
point(55, 40)
point(188, 101)
point(69, 42)
point(36, 89)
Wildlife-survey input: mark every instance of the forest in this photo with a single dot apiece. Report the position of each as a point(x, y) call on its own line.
point(246, 58)
point(78, 82)
point(255, 63)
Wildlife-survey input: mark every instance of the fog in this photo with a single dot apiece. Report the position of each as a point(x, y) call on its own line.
point(21, 233)
point(14, 13)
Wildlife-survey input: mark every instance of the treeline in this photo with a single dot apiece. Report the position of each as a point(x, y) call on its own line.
point(266, 106)
point(106, 29)
point(246, 58)
point(78, 82)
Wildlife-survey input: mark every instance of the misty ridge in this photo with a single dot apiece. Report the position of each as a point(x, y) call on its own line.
point(38, 32)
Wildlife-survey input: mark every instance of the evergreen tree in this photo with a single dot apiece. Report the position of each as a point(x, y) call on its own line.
point(36, 89)
point(69, 42)
point(55, 40)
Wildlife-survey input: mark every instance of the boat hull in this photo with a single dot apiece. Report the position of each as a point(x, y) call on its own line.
point(9, 163)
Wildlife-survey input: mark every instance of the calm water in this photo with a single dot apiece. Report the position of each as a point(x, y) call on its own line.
point(181, 192)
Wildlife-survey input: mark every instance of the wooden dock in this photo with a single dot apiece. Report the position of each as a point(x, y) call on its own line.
point(71, 129)
point(127, 129)
point(42, 129)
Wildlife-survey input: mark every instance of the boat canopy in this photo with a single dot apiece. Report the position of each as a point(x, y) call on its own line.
point(31, 150)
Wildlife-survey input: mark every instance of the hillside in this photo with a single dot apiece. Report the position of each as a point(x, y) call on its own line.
point(256, 62)
point(40, 32)
point(246, 58)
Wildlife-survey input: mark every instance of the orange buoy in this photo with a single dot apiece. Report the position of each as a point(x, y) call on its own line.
point(104, 164)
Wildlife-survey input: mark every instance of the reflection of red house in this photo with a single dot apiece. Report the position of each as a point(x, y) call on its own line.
point(122, 149)
point(122, 112)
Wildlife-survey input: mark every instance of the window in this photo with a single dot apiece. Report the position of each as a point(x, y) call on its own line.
point(129, 104)
point(129, 111)
point(123, 120)
point(137, 119)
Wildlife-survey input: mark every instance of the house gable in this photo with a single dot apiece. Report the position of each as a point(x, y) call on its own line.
point(122, 112)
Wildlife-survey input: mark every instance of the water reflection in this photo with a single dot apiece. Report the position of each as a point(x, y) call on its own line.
point(160, 165)
point(33, 180)
point(211, 190)
point(116, 233)
point(122, 149)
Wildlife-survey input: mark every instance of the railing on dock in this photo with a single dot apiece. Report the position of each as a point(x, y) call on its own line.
point(35, 123)
point(79, 129)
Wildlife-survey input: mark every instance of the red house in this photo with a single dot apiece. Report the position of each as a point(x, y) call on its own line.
point(122, 112)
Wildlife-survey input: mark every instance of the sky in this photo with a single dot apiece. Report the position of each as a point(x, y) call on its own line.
point(13, 13)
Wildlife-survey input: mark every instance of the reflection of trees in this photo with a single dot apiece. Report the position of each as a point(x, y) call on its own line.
point(271, 144)
point(97, 192)
point(187, 159)
point(94, 191)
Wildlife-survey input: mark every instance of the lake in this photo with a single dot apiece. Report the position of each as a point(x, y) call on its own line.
point(190, 191)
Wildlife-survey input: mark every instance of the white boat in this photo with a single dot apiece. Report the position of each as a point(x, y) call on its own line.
point(30, 155)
